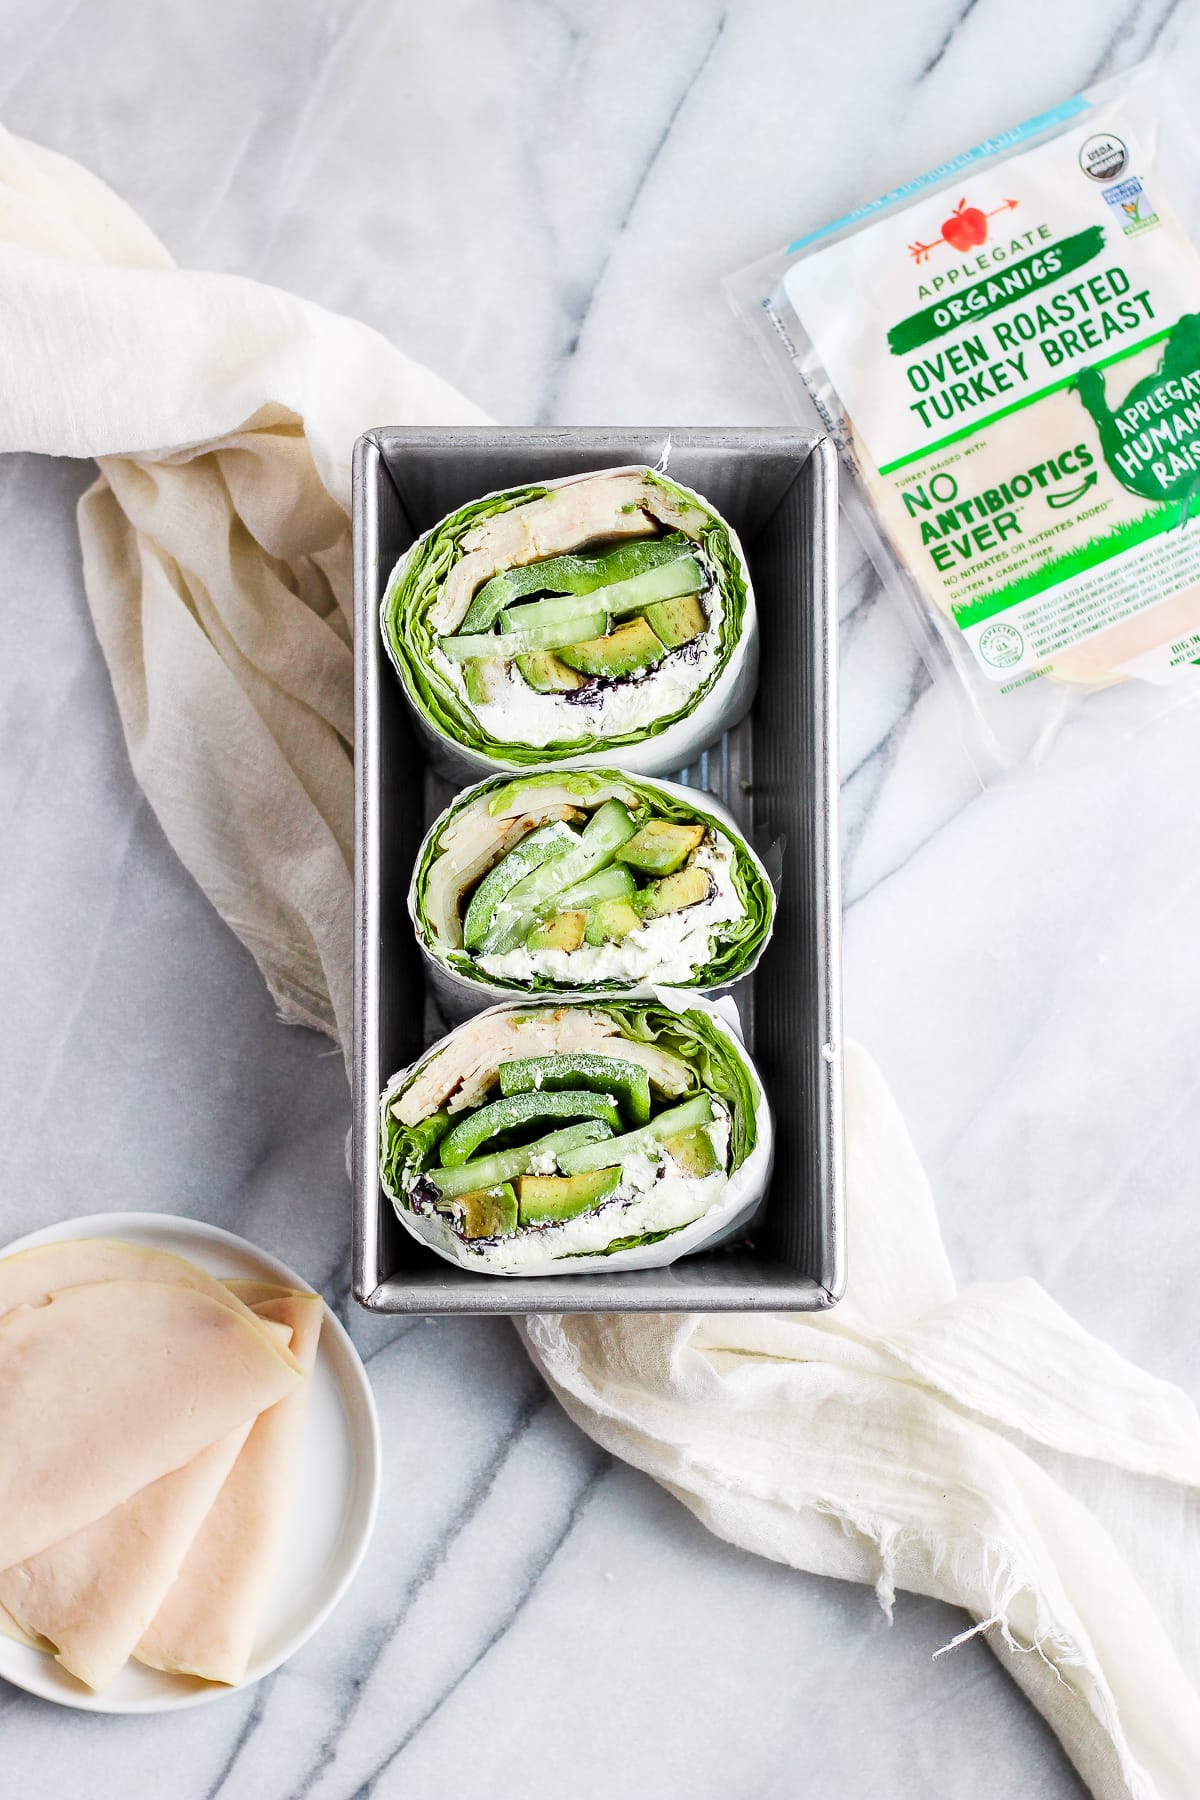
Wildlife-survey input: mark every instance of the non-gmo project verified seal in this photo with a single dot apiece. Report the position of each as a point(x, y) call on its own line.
point(1128, 200)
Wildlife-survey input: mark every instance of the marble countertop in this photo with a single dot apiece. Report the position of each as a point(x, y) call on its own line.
point(540, 200)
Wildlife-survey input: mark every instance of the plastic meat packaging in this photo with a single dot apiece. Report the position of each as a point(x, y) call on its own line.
point(1007, 354)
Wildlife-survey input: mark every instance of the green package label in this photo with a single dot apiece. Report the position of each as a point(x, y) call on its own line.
point(1014, 371)
point(1152, 440)
point(1017, 282)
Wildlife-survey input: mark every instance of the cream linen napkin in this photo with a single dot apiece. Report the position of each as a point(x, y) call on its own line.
point(963, 1445)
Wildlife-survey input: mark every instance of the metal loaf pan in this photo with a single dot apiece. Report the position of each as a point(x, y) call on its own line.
point(777, 774)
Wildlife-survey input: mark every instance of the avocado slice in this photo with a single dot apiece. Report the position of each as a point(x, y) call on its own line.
point(561, 931)
point(482, 677)
point(486, 1212)
point(529, 853)
point(687, 887)
point(611, 921)
point(677, 621)
point(694, 1151)
point(547, 673)
point(628, 1082)
point(506, 1165)
point(630, 647)
point(547, 1197)
point(612, 883)
point(660, 848)
point(515, 1112)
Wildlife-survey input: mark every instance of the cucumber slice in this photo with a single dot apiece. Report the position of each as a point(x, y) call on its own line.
point(543, 1199)
point(554, 839)
point(586, 621)
point(607, 829)
point(646, 1141)
point(571, 575)
point(670, 581)
point(488, 1212)
point(628, 1082)
point(515, 1111)
point(540, 613)
point(506, 1165)
point(612, 883)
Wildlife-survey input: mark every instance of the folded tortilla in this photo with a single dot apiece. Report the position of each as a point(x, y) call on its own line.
point(207, 1623)
point(634, 686)
point(700, 919)
point(540, 1139)
point(108, 1386)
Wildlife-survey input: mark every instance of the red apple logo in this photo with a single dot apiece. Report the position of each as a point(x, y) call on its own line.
point(965, 228)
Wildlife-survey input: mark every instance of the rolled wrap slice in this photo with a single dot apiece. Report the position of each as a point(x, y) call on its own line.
point(676, 897)
point(685, 1166)
point(605, 618)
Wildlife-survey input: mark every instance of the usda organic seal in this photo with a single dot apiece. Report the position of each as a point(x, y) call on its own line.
point(1103, 156)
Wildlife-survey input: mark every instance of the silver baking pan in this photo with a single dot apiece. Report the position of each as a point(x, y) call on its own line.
point(776, 772)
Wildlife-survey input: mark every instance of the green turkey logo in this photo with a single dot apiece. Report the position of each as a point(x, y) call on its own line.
point(1151, 442)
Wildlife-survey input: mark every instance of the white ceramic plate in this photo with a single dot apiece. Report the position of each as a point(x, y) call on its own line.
point(338, 1475)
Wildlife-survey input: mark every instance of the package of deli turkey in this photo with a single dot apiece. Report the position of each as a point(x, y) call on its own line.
point(1007, 354)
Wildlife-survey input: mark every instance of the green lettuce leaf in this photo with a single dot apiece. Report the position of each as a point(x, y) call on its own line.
point(405, 1148)
point(712, 1055)
point(738, 941)
point(409, 639)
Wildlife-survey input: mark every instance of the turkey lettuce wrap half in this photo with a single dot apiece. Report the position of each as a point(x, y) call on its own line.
point(577, 880)
point(608, 617)
point(548, 1139)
